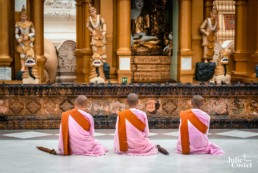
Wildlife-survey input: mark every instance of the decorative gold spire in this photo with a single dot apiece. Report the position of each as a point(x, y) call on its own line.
point(91, 7)
point(23, 11)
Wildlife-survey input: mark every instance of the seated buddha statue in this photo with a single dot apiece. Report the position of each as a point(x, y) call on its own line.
point(141, 40)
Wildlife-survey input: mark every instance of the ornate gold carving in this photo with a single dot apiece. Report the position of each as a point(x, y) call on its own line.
point(152, 68)
point(152, 59)
point(33, 106)
point(3, 107)
point(66, 105)
point(40, 106)
point(50, 106)
point(169, 106)
point(16, 106)
point(151, 76)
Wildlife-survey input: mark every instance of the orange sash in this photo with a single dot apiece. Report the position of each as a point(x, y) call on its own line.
point(189, 115)
point(127, 114)
point(80, 119)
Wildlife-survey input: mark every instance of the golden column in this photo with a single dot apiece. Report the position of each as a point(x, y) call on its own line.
point(240, 55)
point(5, 58)
point(37, 11)
point(186, 70)
point(255, 54)
point(83, 51)
point(107, 10)
point(123, 40)
point(197, 19)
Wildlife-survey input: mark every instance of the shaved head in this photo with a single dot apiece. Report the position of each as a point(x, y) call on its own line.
point(197, 101)
point(81, 101)
point(132, 99)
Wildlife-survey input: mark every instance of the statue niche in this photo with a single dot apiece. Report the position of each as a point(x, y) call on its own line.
point(151, 40)
point(150, 32)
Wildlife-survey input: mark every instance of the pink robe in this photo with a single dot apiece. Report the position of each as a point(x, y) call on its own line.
point(199, 143)
point(81, 142)
point(138, 142)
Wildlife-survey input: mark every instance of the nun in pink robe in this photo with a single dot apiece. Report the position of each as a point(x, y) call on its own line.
point(198, 141)
point(137, 141)
point(81, 142)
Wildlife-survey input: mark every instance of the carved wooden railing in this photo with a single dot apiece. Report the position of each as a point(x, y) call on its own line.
point(40, 106)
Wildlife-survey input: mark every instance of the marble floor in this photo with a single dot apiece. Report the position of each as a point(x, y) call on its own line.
point(18, 154)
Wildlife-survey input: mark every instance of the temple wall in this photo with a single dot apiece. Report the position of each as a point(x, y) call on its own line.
point(59, 21)
point(41, 106)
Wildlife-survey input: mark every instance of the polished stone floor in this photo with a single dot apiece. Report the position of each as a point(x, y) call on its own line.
point(18, 154)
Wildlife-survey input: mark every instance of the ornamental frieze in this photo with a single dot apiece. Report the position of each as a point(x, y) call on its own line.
point(152, 68)
point(152, 59)
point(67, 4)
point(151, 76)
point(41, 106)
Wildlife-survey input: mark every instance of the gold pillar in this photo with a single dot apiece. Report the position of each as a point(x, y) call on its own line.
point(185, 25)
point(5, 58)
point(254, 57)
point(83, 52)
point(185, 42)
point(240, 55)
point(123, 37)
point(107, 8)
point(86, 31)
point(197, 19)
point(37, 12)
point(208, 5)
point(79, 24)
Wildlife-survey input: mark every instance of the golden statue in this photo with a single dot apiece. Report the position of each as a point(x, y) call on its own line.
point(222, 72)
point(97, 72)
point(97, 27)
point(209, 29)
point(24, 34)
point(30, 75)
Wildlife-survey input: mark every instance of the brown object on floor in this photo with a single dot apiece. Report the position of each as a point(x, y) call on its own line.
point(47, 150)
point(162, 150)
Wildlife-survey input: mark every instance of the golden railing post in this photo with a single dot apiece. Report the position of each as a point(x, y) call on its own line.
point(185, 42)
point(123, 39)
point(240, 55)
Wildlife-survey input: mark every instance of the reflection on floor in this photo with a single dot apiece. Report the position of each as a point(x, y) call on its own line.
point(18, 154)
